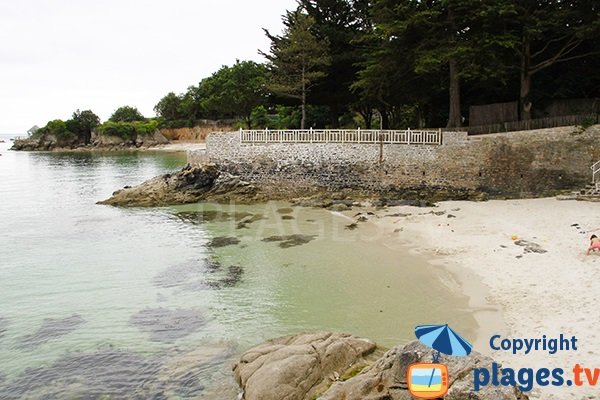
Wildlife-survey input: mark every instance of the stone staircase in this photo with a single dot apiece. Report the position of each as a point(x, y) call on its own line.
point(591, 192)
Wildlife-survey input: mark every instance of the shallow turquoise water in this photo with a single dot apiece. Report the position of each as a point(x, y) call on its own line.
point(100, 301)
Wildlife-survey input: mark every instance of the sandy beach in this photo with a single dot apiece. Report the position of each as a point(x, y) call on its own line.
point(536, 294)
point(179, 146)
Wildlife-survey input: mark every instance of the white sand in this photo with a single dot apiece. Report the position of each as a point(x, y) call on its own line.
point(179, 146)
point(537, 294)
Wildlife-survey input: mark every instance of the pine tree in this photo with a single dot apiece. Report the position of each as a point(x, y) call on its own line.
point(297, 59)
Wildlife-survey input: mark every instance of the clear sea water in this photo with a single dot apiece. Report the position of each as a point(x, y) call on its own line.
point(103, 302)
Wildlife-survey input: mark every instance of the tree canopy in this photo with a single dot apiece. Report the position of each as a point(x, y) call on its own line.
point(126, 114)
point(297, 59)
point(235, 91)
point(395, 64)
point(404, 64)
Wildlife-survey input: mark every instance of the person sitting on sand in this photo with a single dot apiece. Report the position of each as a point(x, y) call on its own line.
point(594, 244)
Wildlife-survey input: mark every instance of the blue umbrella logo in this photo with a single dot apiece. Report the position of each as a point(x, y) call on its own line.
point(442, 339)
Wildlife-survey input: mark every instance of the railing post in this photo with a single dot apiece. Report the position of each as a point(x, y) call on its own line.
point(310, 135)
point(408, 135)
point(266, 135)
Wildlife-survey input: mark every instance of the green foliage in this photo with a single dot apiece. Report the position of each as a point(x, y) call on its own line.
point(128, 130)
point(169, 107)
point(260, 118)
point(235, 91)
point(82, 123)
point(126, 114)
point(57, 128)
point(342, 23)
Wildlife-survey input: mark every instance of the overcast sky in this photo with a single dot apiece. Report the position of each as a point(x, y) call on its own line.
point(60, 55)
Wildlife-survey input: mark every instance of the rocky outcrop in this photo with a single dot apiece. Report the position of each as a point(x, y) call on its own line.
point(300, 366)
point(44, 143)
point(99, 142)
point(109, 141)
point(331, 366)
point(386, 379)
point(191, 184)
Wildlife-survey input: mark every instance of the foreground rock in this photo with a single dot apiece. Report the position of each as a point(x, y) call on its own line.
point(299, 367)
point(304, 367)
point(386, 379)
point(190, 185)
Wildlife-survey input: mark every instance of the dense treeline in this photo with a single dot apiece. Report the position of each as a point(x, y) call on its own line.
point(397, 64)
point(126, 122)
point(405, 63)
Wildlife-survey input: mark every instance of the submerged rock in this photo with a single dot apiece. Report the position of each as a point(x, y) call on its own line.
point(3, 326)
point(285, 210)
point(351, 226)
point(290, 240)
point(298, 367)
point(182, 274)
point(102, 374)
point(111, 373)
point(243, 224)
point(222, 241)
point(205, 216)
point(166, 325)
point(199, 275)
point(52, 328)
point(233, 277)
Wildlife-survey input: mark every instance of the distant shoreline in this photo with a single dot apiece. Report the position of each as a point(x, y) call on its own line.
point(173, 146)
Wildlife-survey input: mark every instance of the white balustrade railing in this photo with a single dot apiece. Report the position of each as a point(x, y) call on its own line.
point(425, 137)
point(595, 172)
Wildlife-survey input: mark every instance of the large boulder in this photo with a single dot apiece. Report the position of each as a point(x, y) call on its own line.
point(190, 185)
point(299, 367)
point(386, 379)
point(333, 366)
point(185, 186)
point(108, 140)
point(44, 143)
point(153, 139)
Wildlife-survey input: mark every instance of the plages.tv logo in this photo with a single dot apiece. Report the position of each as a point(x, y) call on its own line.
point(430, 380)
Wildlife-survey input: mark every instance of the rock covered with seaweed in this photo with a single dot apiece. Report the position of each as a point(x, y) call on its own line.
point(191, 184)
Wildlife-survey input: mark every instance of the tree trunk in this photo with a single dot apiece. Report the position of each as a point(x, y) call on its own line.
point(524, 96)
point(385, 118)
point(367, 115)
point(303, 121)
point(454, 117)
point(334, 115)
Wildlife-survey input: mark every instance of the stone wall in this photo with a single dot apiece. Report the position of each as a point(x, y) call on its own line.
point(511, 164)
point(195, 134)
